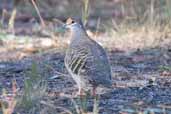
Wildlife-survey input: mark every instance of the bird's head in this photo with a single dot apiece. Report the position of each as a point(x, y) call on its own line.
point(73, 25)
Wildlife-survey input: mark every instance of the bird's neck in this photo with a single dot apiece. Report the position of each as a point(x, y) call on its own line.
point(77, 35)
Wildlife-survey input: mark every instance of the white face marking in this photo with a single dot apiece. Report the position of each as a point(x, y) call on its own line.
point(73, 26)
point(76, 30)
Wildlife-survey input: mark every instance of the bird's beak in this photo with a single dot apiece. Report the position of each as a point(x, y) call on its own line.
point(61, 29)
point(64, 26)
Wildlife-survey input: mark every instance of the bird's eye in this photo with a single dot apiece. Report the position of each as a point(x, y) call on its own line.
point(70, 21)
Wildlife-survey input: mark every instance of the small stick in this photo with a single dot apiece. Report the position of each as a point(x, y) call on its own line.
point(38, 12)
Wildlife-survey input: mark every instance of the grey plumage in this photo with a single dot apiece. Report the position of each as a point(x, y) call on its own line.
point(86, 61)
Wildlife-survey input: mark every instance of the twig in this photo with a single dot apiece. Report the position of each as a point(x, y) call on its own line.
point(11, 20)
point(38, 12)
point(97, 27)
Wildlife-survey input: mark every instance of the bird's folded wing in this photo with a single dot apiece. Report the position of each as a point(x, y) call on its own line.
point(89, 62)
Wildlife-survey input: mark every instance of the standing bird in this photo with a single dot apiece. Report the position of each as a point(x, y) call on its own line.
point(86, 61)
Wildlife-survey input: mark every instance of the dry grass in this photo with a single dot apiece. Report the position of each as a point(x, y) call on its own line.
point(141, 24)
point(8, 101)
point(138, 37)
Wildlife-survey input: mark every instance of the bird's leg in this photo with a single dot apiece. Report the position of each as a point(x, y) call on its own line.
point(80, 92)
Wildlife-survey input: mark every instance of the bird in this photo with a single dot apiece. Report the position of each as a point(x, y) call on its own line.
point(86, 60)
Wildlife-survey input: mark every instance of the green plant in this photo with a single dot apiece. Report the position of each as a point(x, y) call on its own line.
point(1, 24)
point(83, 103)
point(96, 105)
point(3, 36)
point(80, 104)
point(165, 68)
point(168, 10)
point(34, 88)
point(85, 11)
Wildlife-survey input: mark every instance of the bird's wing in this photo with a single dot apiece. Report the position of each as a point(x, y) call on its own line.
point(101, 63)
point(89, 61)
point(76, 58)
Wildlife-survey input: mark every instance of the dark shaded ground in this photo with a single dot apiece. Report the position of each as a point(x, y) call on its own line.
point(141, 79)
